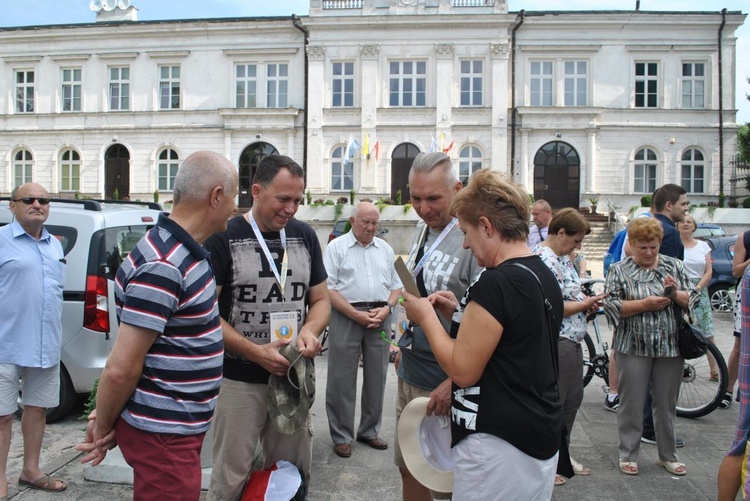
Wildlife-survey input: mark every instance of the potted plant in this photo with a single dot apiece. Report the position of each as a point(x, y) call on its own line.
point(593, 202)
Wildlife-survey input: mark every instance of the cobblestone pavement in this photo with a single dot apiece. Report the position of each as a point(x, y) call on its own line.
point(370, 474)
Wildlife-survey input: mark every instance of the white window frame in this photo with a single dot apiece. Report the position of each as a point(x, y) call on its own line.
point(70, 170)
point(23, 168)
point(575, 82)
point(693, 87)
point(469, 81)
point(342, 79)
point(170, 87)
point(646, 79)
point(250, 92)
point(25, 90)
point(542, 82)
point(647, 167)
point(277, 85)
point(338, 155)
point(470, 160)
point(120, 82)
point(691, 163)
point(414, 79)
point(71, 91)
point(166, 169)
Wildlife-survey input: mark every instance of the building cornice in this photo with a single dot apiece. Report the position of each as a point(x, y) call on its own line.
point(260, 51)
point(29, 59)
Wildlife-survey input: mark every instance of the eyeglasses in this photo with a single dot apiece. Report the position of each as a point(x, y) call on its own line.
point(31, 200)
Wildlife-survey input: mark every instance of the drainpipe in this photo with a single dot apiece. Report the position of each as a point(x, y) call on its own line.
point(298, 24)
point(721, 112)
point(514, 109)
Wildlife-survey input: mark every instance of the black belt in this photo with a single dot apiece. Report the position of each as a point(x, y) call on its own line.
point(370, 305)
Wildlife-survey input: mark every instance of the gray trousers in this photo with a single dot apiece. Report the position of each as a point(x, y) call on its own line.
point(570, 382)
point(665, 375)
point(345, 340)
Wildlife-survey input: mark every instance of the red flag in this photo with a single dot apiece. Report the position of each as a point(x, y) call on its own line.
point(376, 149)
point(449, 148)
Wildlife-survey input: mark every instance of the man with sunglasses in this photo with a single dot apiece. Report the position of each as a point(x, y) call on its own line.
point(32, 276)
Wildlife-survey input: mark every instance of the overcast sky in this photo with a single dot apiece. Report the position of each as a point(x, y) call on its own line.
point(27, 13)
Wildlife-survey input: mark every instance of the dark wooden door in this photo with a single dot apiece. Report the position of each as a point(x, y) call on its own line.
point(557, 174)
point(249, 160)
point(117, 172)
point(403, 157)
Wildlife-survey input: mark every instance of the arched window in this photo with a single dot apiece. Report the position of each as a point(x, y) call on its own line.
point(469, 161)
point(693, 175)
point(342, 173)
point(167, 169)
point(23, 166)
point(644, 171)
point(70, 170)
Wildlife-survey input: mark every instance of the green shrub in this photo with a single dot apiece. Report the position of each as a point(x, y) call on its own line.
point(646, 201)
point(746, 203)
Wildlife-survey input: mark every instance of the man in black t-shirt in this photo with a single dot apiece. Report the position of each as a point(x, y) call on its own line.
point(271, 283)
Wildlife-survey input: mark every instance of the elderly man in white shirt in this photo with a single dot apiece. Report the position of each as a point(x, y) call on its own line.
point(541, 213)
point(363, 287)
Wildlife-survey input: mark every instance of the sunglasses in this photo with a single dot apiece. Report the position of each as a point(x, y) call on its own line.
point(31, 200)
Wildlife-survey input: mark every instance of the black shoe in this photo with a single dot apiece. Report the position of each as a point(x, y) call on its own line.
point(650, 438)
point(612, 405)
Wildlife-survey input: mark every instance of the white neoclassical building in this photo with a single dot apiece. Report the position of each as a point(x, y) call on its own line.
point(574, 105)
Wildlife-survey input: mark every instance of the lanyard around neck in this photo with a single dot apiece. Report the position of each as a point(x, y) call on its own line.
point(440, 238)
point(280, 277)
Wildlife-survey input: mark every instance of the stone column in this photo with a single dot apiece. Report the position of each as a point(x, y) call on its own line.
point(316, 93)
point(499, 84)
point(370, 95)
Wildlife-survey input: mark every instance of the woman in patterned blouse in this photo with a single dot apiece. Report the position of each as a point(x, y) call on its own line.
point(566, 232)
point(643, 290)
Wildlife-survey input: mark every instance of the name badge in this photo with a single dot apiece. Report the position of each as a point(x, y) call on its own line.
point(284, 325)
point(402, 324)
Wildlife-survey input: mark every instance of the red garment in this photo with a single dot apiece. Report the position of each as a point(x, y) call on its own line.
point(166, 467)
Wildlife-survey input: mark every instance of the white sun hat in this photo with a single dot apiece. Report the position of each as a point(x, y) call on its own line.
point(425, 443)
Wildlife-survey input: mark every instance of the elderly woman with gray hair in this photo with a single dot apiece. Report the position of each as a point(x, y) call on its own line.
point(643, 291)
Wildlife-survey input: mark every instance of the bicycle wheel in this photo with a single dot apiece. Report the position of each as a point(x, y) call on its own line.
point(699, 395)
point(589, 353)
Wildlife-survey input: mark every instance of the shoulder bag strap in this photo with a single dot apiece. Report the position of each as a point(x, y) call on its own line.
point(548, 309)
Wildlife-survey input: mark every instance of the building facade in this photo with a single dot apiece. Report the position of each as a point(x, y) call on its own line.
point(573, 105)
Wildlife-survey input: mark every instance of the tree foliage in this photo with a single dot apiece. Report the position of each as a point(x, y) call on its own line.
point(743, 142)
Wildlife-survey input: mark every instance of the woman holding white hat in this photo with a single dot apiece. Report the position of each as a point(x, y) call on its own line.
point(502, 350)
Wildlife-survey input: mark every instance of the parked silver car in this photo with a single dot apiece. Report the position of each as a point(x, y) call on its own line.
point(96, 236)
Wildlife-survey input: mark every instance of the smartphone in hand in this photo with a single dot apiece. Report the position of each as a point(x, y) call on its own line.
point(668, 291)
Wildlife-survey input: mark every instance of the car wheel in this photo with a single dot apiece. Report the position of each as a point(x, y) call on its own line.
point(68, 399)
point(721, 298)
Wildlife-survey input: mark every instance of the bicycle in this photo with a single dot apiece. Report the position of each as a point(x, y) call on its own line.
point(699, 394)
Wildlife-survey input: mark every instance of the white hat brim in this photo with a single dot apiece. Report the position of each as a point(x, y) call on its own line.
point(419, 437)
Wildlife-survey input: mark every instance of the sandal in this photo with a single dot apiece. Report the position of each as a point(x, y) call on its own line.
point(726, 400)
point(714, 377)
point(44, 483)
point(579, 469)
point(560, 480)
point(673, 467)
point(628, 467)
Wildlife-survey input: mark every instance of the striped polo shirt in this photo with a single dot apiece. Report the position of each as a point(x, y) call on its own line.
point(166, 284)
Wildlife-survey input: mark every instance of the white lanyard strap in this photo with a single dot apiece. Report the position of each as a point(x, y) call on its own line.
point(280, 277)
point(434, 245)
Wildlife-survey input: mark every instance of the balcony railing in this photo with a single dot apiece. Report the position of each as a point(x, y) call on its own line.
point(342, 4)
point(473, 3)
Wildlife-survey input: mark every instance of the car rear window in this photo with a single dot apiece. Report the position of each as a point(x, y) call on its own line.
point(114, 244)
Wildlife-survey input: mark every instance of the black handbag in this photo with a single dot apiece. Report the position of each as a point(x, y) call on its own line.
point(691, 342)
